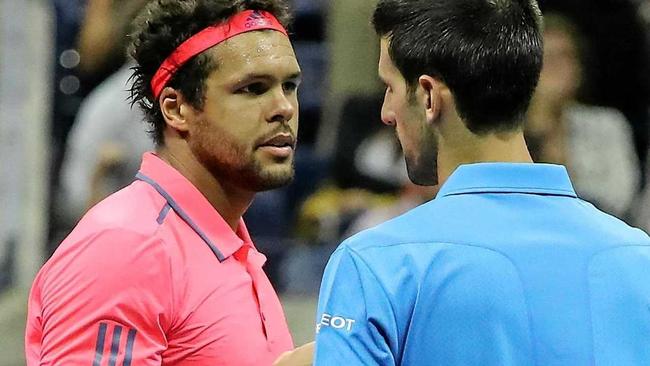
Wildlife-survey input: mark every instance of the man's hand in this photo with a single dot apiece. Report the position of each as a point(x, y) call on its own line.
point(301, 356)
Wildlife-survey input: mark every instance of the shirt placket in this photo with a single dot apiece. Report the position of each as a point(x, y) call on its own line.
point(253, 261)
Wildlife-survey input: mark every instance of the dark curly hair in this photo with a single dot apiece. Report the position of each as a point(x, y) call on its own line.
point(161, 27)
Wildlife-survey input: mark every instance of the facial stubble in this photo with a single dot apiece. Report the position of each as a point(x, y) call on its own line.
point(237, 164)
point(421, 159)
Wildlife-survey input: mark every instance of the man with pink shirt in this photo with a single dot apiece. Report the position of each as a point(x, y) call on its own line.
point(164, 271)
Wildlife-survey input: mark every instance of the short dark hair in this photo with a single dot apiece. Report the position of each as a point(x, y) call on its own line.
point(488, 52)
point(161, 27)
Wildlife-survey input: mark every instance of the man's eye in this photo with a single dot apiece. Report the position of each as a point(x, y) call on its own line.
point(255, 88)
point(290, 86)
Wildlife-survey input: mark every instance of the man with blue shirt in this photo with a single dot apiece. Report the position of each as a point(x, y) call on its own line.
point(507, 266)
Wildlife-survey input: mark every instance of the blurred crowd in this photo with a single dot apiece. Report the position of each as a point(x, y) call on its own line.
point(590, 113)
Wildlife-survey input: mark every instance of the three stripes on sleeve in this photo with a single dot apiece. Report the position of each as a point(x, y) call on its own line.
point(117, 348)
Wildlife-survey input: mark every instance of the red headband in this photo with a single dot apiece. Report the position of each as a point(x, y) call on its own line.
point(246, 21)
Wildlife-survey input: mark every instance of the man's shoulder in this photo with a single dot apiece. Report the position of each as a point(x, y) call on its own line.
point(135, 207)
point(416, 226)
point(125, 220)
point(608, 228)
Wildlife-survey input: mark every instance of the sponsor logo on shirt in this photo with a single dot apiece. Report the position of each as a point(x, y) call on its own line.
point(336, 322)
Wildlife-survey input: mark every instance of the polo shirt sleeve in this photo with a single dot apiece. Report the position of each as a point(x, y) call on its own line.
point(104, 300)
point(355, 323)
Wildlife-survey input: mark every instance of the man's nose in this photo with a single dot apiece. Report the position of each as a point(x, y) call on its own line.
point(387, 115)
point(283, 107)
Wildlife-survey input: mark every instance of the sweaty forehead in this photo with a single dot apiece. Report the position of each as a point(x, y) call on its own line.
point(256, 47)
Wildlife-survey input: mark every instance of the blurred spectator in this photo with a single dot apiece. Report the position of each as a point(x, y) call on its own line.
point(595, 143)
point(104, 147)
point(90, 39)
point(85, 24)
point(105, 23)
point(617, 71)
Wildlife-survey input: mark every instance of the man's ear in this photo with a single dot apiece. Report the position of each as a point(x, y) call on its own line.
point(430, 96)
point(175, 109)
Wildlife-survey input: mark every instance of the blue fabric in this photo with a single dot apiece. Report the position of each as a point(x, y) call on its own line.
point(505, 267)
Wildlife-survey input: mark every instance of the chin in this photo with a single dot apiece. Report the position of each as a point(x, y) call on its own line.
point(420, 179)
point(422, 174)
point(274, 177)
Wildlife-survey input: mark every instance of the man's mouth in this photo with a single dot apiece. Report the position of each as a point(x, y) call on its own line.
point(281, 140)
point(281, 145)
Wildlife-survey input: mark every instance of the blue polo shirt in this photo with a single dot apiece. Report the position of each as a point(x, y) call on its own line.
point(507, 266)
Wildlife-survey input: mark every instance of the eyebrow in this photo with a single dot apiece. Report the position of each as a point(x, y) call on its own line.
point(296, 76)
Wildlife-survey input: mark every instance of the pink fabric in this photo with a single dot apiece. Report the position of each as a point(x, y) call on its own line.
point(125, 289)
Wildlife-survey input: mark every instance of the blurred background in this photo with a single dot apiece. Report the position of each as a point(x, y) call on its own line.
point(68, 136)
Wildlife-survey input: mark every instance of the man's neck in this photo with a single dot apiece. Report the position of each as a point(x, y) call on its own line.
point(231, 202)
point(503, 147)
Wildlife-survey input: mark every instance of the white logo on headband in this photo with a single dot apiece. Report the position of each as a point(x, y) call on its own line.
point(256, 19)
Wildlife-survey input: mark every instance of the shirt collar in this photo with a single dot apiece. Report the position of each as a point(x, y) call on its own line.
point(508, 178)
point(190, 204)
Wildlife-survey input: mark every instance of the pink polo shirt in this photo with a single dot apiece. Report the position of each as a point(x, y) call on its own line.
point(153, 275)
